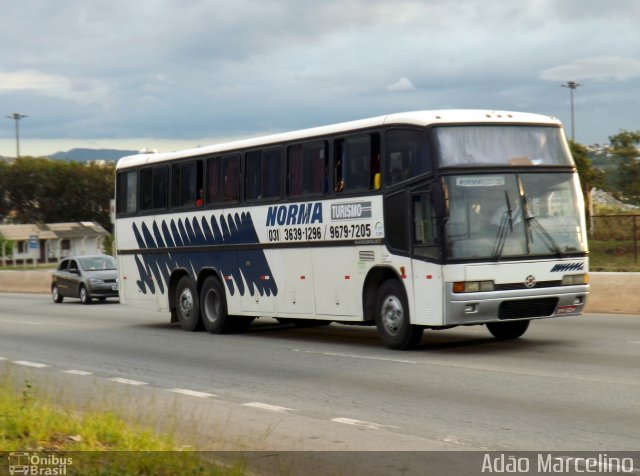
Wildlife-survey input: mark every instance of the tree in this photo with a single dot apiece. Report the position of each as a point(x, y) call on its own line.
point(590, 176)
point(4, 196)
point(626, 178)
point(40, 190)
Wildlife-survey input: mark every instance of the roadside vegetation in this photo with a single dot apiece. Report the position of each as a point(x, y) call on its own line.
point(99, 443)
point(614, 240)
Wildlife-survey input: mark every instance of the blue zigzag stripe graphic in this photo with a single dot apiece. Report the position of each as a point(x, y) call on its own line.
point(174, 239)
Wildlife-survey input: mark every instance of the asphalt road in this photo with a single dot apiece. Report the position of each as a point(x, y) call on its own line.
point(569, 384)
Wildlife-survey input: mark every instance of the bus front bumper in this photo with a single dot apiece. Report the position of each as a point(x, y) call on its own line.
point(482, 307)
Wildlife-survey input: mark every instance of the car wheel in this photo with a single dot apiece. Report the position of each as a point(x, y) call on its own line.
point(84, 295)
point(392, 317)
point(187, 304)
point(508, 330)
point(55, 294)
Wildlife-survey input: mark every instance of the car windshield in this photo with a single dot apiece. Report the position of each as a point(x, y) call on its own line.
point(502, 145)
point(505, 215)
point(97, 263)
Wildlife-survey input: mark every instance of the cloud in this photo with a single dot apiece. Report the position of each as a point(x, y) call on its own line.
point(80, 90)
point(402, 84)
point(600, 68)
point(187, 69)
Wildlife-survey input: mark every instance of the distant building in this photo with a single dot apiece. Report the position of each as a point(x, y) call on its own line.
point(50, 242)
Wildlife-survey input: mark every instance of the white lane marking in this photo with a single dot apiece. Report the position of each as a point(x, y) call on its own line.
point(3, 358)
point(26, 363)
point(76, 372)
point(484, 368)
point(127, 381)
point(635, 342)
point(266, 406)
point(466, 442)
point(29, 323)
point(353, 356)
point(191, 393)
point(361, 424)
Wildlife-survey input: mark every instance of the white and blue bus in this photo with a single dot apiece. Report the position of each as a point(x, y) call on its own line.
point(429, 219)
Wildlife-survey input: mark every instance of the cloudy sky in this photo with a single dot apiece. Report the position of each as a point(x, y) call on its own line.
point(171, 74)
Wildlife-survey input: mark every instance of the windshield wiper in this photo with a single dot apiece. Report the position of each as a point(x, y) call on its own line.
point(548, 240)
point(534, 224)
point(501, 236)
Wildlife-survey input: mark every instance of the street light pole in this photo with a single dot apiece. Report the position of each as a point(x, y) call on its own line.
point(572, 85)
point(16, 117)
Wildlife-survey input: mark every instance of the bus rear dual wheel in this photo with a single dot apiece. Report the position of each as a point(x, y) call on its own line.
point(207, 309)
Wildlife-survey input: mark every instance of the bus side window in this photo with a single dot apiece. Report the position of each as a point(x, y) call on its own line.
point(374, 179)
point(272, 173)
point(154, 186)
point(338, 174)
point(187, 183)
point(160, 187)
point(424, 227)
point(213, 180)
point(264, 175)
point(314, 179)
point(146, 189)
point(307, 169)
point(357, 163)
point(127, 192)
point(231, 178)
point(406, 155)
point(253, 184)
point(294, 170)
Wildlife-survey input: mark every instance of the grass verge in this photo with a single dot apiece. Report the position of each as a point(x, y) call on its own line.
point(99, 443)
point(615, 256)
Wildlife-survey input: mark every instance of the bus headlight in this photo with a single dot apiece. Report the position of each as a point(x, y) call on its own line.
point(473, 286)
point(575, 279)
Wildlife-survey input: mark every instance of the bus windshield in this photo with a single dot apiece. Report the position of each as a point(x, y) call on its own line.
point(502, 145)
point(507, 215)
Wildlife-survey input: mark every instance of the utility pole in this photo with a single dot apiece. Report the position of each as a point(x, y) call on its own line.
point(16, 117)
point(572, 85)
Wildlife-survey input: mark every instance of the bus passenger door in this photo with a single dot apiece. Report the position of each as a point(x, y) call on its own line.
point(426, 272)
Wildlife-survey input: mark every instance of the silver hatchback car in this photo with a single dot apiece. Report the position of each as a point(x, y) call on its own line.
point(85, 277)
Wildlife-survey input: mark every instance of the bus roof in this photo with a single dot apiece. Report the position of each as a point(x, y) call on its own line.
point(416, 118)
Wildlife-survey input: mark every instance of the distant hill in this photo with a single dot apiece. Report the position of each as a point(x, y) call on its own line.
point(86, 155)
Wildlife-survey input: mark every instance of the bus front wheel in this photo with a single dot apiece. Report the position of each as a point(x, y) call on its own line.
point(392, 317)
point(508, 330)
point(187, 305)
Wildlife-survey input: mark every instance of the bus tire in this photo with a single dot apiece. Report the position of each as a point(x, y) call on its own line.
point(214, 308)
point(508, 330)
point(187, 304)
point(392, 317)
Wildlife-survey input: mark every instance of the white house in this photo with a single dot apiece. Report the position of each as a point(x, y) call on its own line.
point(50, 242)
